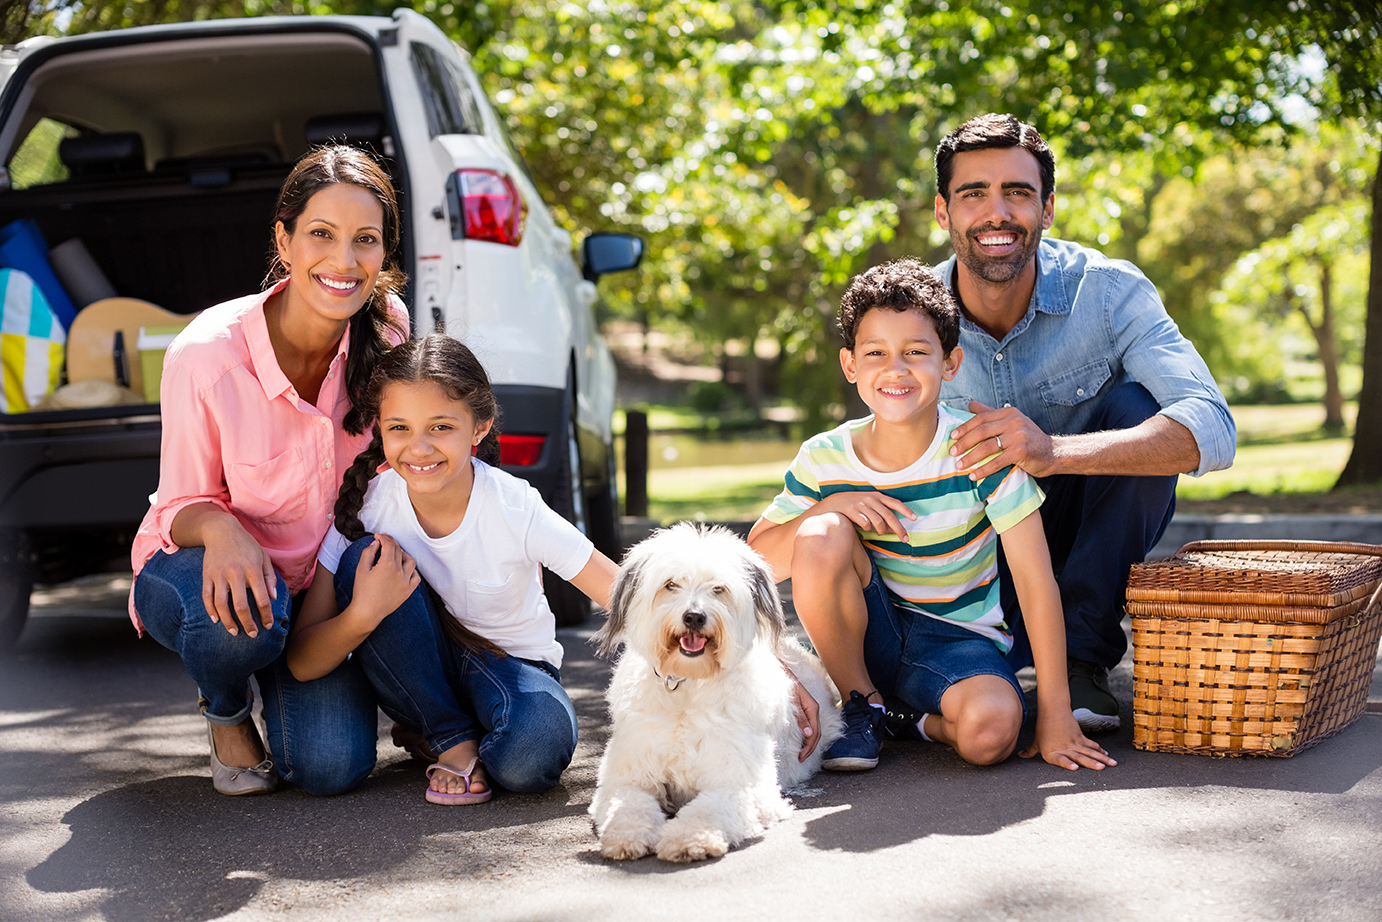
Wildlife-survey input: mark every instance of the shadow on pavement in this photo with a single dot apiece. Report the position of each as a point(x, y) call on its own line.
point(173, 848)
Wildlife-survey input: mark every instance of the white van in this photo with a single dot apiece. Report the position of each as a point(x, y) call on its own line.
point(162, 150)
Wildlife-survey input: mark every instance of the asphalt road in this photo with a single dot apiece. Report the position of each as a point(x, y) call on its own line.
point(107, 812)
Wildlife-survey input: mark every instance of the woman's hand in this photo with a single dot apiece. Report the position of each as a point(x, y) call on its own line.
point(235, 567)
point(384, 579)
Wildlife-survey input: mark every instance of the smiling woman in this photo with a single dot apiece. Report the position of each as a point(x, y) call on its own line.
point(258, 424)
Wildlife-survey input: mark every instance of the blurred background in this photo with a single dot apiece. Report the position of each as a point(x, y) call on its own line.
point(768, 151)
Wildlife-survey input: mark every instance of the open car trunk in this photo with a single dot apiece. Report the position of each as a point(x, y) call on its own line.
point(164, 158)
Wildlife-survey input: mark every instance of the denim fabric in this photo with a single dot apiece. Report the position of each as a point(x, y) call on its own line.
point(1093, 324)
point(523, 718)
point(1096, 528)
point(320, 734)
point(917, 657)
point(168, 595)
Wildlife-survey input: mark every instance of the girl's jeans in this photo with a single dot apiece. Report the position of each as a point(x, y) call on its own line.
point(321, 734)
point(517, 708)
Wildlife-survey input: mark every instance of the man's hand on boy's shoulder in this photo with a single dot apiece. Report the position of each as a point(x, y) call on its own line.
point(1006, 438)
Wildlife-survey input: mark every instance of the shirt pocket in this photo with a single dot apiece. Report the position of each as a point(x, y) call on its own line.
point(1075, 387)
point(273, 492)
point(488, 602)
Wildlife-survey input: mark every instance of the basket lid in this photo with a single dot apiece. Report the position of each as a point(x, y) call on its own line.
point(1311, 573)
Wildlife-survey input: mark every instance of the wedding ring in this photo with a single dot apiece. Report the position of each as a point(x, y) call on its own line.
point(999, 440)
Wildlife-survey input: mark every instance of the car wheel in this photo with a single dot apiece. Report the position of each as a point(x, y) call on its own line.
point(569, 605)
point(16, 584)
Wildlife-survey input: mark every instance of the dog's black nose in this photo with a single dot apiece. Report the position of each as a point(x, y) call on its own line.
point(694, 620)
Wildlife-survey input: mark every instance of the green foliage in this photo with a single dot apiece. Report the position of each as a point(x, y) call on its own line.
point(766, 151)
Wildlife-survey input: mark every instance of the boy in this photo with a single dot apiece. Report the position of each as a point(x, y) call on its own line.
point(891, 549)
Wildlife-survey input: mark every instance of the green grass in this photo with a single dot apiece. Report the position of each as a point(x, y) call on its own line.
point(1282, 450)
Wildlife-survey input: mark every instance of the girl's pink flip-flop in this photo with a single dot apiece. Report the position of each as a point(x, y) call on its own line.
point(456, 800)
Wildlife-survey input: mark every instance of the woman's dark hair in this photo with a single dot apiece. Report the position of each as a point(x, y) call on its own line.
point(987, 132)
point(449, 364)
point(372, 329)
point(901, 285)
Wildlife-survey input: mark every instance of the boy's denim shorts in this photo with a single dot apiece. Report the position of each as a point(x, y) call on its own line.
point(917, 657)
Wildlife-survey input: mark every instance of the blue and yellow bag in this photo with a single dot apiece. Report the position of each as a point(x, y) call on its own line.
point(32, 343)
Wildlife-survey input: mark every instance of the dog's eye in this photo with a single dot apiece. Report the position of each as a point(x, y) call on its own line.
point(719, 590)
point(670, 585)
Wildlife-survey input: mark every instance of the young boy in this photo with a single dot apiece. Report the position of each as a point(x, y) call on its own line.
point(892, 551)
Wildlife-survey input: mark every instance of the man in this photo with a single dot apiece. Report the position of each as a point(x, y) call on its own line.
point(1076, 375)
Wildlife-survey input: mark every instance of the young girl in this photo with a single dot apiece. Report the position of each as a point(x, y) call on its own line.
point(469, 658)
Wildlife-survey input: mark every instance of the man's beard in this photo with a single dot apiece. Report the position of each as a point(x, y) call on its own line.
point(996, 269)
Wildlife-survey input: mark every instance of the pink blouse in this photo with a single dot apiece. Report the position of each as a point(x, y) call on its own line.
point(236, 434)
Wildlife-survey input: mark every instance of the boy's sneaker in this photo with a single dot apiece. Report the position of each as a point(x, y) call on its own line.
point(857, 750)
point(1095, 708)
point(901, 719)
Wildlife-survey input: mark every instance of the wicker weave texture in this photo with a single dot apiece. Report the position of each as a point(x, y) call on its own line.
point(1215, 680)
point(1278, 573)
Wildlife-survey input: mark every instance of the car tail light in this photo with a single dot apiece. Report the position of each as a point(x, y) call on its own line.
point(520, 450)
point(492, 207)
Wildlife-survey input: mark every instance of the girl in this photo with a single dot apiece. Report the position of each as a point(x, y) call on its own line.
point(469, 658)
point(257, 425)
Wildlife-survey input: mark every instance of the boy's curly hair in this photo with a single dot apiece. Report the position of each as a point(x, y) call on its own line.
point(901, 285)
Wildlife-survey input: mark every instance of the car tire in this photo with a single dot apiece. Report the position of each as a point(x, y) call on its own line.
point(16, 584)
point(569, 605)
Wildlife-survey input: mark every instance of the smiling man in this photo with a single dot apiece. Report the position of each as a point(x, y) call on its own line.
point(1076, 375)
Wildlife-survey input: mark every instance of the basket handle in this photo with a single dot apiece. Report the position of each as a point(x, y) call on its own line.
point(1324, 547)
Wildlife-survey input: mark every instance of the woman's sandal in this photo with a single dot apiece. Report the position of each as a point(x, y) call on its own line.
point(456, 800)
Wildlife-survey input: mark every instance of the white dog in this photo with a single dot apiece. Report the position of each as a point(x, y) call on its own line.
point(704, 727)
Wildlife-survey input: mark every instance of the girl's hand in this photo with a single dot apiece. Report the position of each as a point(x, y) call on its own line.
point(234, 567)
point(869, 511)
point(1060, 741)
point(384, 579)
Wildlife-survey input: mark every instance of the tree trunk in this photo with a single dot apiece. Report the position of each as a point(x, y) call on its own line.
point(1365, 462)
point(1324, 345)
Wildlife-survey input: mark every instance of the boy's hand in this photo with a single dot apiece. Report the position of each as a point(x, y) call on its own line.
point(869, 511)
point(1060, 742)
point(384, 579)
point(1004, 437)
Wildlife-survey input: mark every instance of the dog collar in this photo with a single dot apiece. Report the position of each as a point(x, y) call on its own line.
point(671, 681)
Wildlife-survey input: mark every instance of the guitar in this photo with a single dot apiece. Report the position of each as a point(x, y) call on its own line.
point(91, 340)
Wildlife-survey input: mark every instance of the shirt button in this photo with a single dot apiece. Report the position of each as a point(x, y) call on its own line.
point(1079, 392)
point(998, 357)
point(1007, 405)
point(327, 465)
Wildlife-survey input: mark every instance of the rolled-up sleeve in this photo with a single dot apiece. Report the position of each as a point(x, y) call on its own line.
point(1158, 357)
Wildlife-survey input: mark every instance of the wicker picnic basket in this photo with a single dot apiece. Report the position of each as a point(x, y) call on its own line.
point(1253, 647)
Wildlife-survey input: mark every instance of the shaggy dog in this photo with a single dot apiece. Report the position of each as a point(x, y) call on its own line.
point(704, 728)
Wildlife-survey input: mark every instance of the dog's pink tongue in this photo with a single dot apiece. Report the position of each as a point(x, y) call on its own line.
point(692, 643)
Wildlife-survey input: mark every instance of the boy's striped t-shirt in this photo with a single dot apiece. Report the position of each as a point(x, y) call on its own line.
point(948, 567)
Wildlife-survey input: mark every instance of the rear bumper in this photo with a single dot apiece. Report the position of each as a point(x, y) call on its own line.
point(85, 475)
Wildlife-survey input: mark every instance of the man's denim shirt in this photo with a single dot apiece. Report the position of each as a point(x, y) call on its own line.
point(1094, 323)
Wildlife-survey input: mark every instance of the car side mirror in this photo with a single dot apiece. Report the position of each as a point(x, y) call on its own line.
point(605, 253)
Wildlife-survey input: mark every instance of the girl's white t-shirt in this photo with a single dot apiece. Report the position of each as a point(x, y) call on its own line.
point(487, 571)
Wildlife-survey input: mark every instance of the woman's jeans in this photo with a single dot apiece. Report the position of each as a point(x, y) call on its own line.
point(321, 734)
point(516, 708)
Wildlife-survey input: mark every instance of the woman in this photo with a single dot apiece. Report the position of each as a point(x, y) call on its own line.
point(258, 426)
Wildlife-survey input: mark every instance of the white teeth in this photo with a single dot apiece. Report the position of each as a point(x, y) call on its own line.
point(339, 286)
point(997, 241)
point(422, 469)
